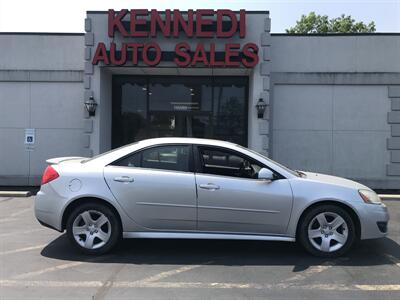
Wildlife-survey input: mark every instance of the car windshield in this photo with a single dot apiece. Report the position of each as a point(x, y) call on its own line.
point(105, 153)
point(293, 172)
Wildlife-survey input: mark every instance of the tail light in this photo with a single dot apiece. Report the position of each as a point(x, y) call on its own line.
point(49, 175)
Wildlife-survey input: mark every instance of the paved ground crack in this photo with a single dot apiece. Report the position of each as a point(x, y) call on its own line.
point(101, 293)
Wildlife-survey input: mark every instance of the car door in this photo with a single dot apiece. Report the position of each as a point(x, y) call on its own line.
point(231, 199)
point(156, 187)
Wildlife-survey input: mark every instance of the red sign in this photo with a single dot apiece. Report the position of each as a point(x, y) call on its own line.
point(203, 23)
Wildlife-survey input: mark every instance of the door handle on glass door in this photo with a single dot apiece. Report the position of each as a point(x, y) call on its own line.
point(209, 186)
point(124, 179)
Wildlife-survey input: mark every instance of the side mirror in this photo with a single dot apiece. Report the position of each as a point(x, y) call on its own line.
point(265, 174)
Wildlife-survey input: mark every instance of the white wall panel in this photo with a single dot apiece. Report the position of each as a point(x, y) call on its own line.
point(335, 129)
point(57, 105)
point(14, 104)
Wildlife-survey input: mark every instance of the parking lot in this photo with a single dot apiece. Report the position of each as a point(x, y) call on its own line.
point(39, 263)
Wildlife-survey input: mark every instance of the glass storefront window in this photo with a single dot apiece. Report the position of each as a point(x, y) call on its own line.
point(180, 94)
point(230, 101)
point(129, 116)
point(155, 106)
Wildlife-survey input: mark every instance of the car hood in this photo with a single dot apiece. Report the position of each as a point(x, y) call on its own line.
point(334, 180)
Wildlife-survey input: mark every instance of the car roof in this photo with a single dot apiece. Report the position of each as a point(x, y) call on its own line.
point(108, 157)
point(114, 154)
point(185, 140)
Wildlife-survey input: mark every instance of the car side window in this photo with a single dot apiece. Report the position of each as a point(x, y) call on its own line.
point(175, 158)
point(132, 160)
point(227, 163)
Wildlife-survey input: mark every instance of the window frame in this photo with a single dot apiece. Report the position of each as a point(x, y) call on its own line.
point(139, 151)
point(199, 163)
point(117, 138)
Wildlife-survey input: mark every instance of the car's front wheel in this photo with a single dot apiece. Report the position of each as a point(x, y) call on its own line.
point(327, 231)
point(93, 228)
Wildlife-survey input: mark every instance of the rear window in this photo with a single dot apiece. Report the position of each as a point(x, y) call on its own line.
point(105, 153)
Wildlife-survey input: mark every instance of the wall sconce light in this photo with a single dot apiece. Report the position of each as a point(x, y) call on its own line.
point(91, 105)
point(261, 106)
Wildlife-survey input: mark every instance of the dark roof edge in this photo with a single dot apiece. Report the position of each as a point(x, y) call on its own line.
point(99, 12)
point(44, 33)
point(338, 34)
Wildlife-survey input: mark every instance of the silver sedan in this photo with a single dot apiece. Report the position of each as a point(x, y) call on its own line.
point(203, 189)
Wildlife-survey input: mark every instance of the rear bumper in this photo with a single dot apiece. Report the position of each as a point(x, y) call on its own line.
point(374, 221)
point(48, 225)
point(48, 208)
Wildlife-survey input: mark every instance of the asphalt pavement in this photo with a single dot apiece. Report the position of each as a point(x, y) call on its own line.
point(39, 263)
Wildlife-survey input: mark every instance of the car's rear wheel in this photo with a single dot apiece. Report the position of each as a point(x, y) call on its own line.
point(327, 231)
point(93, 228)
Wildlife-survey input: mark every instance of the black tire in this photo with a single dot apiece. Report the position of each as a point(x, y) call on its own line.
point(113, 225)
point(309, 217)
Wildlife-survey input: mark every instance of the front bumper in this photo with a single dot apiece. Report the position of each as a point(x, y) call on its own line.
point(374, 221)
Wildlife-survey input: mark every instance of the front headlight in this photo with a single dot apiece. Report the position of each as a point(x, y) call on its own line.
point(370, 197)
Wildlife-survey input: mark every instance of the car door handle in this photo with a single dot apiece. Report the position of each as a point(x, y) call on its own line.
point(209, 186)
point(123, 179)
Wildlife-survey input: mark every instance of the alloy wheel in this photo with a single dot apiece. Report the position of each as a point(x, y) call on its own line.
point(328, 232)
point(91, 229)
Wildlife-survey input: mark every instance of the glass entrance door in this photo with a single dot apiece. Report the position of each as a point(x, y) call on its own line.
point(178, 124)
point(155, 106)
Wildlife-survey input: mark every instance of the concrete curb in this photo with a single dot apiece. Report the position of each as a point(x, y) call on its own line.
point(389, 197)
point(15, 194)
